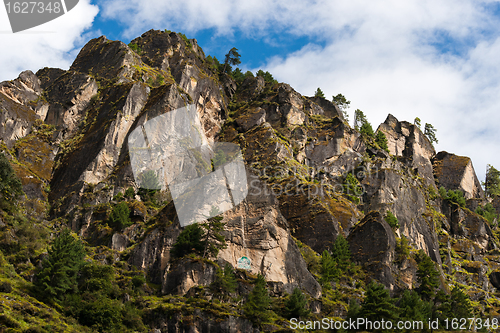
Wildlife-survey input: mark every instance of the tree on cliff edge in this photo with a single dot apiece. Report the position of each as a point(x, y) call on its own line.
point(492, 183)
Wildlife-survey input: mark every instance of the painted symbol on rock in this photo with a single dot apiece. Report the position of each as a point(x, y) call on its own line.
point(28, 14)
point(244, 263)
point(172, 150)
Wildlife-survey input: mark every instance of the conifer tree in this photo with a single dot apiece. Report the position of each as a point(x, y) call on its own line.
point(460, 303)
point(10, 186)
point(430, 133)
point(492, 181)
point(120, 217)
point(296, 305)
point(329, 269)
point(225, 280)
point(189, 241)
point(417, 122)
point(340, 252)
point(319, 93)
point(58, 275)
point(257, 305)
point(381, 141)
point(214, 240)
point(378, 304)
point(413, 308)
point(232, 58)
point(427, 276)
point(343, 104)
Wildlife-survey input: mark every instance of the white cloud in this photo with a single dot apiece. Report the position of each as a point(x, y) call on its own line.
point(53, 44)
point(380, 54)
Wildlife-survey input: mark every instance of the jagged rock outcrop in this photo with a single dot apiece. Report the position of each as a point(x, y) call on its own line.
point(407, 140)
point(376, 255)
point(455, 172)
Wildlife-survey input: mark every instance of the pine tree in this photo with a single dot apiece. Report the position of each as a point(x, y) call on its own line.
point(189, 241)
point(58, 275)
point(257, 305)
point(225, 281)
point(417, 122)
point(413, 308)
point(341, 253)
point(430, 133)
point(232, 59)
point(492, 181)
point(378, 304)
point(353, 312)
point(319, 93)
point(460, 303)
point(381, 141)
point(329, 269)
point(359, 119)
point(214, 240)
point(427, 276)
point(296, 305)
point(10, 186)
point(120, 217)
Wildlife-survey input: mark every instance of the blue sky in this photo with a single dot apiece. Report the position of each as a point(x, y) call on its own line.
point(438, 60)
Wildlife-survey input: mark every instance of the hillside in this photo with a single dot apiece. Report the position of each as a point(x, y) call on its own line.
point(313, 181)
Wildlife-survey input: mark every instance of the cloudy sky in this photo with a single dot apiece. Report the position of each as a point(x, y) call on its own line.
point(436, 60)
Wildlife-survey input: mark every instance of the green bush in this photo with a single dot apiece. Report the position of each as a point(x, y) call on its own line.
point(189, 241)
point(381, 141)
point(488, 212)
point(10, 186)
point(119, 218)
point(392, 220)
point(136, 48)
point(130, 193)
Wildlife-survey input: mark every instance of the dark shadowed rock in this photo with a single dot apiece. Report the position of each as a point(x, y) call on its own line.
point(455, 172)
point(372, 244)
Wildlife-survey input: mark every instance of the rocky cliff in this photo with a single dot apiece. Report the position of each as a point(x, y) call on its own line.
point(66, 134)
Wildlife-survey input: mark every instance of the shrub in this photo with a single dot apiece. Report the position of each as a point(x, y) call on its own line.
point(366, 129)
point(130, 193)
point(381, 141)
point(189, 241)
point(10, 186)
point(488, 212)
point(136, 48)
point(392, 220)
point(119, 218)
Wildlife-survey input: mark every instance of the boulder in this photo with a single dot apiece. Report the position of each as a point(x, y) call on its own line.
point(455, 172)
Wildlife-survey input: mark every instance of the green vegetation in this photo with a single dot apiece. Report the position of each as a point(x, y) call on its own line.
point(413, 308)
point(189, 241)
point(256, 308)
point(343, 104)
point(492, 182)
point(136, 48)
point(381, 141)
point(427, 276)
point(130, 193)
point(488, 212)
point(267, 76)
point(391, 220)
point(430, 133)
point(232, 58)
point(352, 188)
point(214, 240)
point(119, 218)
point(319, 93)
point(225, 281)
point(60, 269)
point(378, 304)
point(186, 40)
point(417, 122)
point(456, 197)
point(10, 186)
point(296, 305)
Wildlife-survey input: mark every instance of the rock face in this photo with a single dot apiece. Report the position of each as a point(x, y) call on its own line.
point(457, 173)
point(311, 178)
point(408, 141)
point(376, 255)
